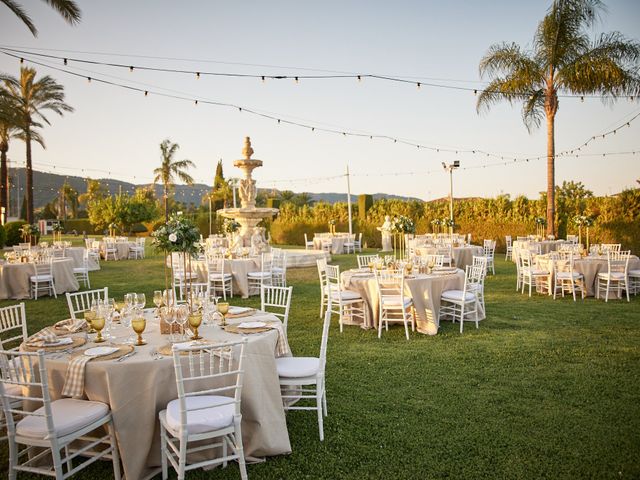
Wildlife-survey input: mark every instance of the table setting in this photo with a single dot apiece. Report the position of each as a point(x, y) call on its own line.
point(131, 369)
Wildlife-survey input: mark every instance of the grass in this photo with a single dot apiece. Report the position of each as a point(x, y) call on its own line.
point(543, 389)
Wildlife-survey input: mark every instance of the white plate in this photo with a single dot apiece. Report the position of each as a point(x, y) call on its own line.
point(252, 325)
point(237, 310)
point(100, 351)
point(60, 341)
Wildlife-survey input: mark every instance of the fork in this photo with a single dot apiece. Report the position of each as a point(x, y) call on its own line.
point(124, 357)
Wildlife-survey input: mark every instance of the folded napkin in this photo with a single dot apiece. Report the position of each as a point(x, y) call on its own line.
point(72, 326)
point(189, 344)
point(282, 346)
point(47, 337)
point(74, 384)
point(238, 312)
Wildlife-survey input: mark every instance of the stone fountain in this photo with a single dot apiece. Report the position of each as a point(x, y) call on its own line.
point(248, 215)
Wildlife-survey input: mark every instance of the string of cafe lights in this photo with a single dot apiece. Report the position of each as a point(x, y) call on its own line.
point(66, 60)
point(313, 128)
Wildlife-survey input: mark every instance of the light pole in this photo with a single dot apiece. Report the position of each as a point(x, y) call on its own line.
point(450, 168)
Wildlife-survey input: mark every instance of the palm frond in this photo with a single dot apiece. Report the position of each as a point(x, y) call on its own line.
point(533, 109)
point(185, 177)
point(68, 9)
point(22, 15)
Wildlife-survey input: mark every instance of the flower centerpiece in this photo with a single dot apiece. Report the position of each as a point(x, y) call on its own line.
point(332, 226)
point(400, 226)
point(231, 228)
point(57, 228)
point(435, 225)
point(540, 222)
point(112, 229)
point(29, 233)
point(583, 221)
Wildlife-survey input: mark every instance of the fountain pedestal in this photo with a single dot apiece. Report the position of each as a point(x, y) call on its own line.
point(248, 215)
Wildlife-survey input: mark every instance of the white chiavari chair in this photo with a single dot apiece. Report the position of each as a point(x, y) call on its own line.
point(509, 246)
point(531, 274)
point(276, 300)
point(365, 260)
point(616, 277)
point(262, 277)
point(566, 278)
point(42, 280)
point(207, 410)
point(80, 302)
point(489, 250)
point(279, 267)
point(308, 244)
point(393, 304)
point(218, 280)
point(463, 305)
point(82, 272)
point(347, 304)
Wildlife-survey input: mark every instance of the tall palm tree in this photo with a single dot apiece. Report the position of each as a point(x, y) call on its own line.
point(8, 130)
point(169, 170)
point(563, 61)
point(32, 98)
point(68, 9)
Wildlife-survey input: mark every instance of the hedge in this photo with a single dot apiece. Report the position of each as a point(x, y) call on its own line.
point(14, 236)
point(79, 225)
point(3, 236)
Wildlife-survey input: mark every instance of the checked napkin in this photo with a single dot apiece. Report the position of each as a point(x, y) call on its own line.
point(42, 338)
point(72, 326)
point(74, 384)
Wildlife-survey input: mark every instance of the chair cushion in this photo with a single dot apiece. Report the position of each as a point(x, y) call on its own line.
point(210, 416)
point(346, 295)
point(41, 278)
point(457, 295)
point(395, 301)
point(614, 276)
point(218, 276)
point(297, 367)
point(80, 270)
point(69, 415)
point(534, 272)
point(634, 273)
point(568, 275)
point(259, 274)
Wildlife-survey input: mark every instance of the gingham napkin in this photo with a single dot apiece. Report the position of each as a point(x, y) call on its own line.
point(74, 384)
point(44, 337)
point(71, 325)
point(282, 346)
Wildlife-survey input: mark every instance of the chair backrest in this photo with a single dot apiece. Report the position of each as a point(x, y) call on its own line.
point(213, 370)
point(42, 268)
point(480, 262)
point(618, 261)
point(325, 339)
point(508, 240)
point(57, 252)
point(322, 272)
point(13, 326)
point(611, 247)
point(266, 262)
point(306, 240)
point(433, 260)
point(489, 247)
point(25, 245)
point(390, 284)
point(80, 302)
point(278, 257)
point(333, 277)
point(276, 300)
point(27, 372)
point(364, 260)
point(563, 264)
point(474, 278)
point(215, 264)
point(526, 259)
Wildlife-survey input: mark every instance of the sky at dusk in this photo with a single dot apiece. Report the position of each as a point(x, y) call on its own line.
point(119, 131)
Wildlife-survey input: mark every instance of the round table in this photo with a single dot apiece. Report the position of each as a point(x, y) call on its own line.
point(462, 256)
point(424, 289)
point(138, 388)
point(15, 278)
point(77, 254)
point(237, 267)
point(337, 242)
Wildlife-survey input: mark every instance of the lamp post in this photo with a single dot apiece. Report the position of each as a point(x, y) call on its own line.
point(450, 168)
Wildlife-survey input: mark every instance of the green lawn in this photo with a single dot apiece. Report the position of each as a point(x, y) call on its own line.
point(543, 389)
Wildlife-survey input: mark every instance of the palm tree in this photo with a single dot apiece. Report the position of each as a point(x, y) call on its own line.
point(68, 197)
point(68, 9)
point(31, 99)
point(8, 130)
point(563, 61)
point(169, 169)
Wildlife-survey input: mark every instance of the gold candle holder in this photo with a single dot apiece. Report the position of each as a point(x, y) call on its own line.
point(195, 320)
point(98, 324)
point(223, 308)
point(139, 324)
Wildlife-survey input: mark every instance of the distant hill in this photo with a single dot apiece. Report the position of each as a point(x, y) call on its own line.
point(47, 185)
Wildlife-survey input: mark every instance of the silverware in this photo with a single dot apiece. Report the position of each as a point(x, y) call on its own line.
point(124, 357)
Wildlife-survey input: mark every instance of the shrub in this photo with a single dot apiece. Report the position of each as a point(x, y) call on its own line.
point(79, 225)
point(3, 236)
point(14, 235)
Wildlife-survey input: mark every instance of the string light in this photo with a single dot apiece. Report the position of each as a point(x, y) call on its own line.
point(359, 76)
point(64, 61)
point(198, 75)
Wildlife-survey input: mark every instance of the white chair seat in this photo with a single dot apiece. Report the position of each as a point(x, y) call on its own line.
point(345, 295)
point(211, 415)
point(456, 295)
point(634, 273)
point(395, 302)
point(69, 415)
point(219, 276)
point(297, 367)
point(534, 272)
point(614, 276)
point(182, 275)
point(80, 270)
point(277, 269)
point(564, 275)
point(41, 278)
point(259, 274)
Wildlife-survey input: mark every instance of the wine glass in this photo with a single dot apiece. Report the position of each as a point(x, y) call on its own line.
point(141, 300)
point(98, 324)
point(157, 300)
point(223, 308)
point(128, 299)
point(182, 312)
point(139, 323)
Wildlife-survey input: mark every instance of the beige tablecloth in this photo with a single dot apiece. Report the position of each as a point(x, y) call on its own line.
point(337, 243)
point(139, 387)
point(589, 267)
point(425, 290)
point(15, 279)
point(462, 256)
point(77, 254)
point(121, 247)
point(238, 267)
point(546, 246)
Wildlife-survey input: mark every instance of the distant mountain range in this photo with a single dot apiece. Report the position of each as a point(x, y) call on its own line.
point(47, 186)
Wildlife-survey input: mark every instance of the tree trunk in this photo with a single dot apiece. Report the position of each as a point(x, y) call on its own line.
point(29, 191)
point(166, 203)
point(4, 181)
point(551, 175)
